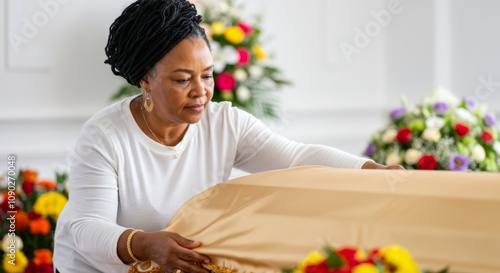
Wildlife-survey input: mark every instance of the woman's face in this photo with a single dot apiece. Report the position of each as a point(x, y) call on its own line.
point(181, 84)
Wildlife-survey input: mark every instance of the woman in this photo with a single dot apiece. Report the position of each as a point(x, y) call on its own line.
point(138, 160)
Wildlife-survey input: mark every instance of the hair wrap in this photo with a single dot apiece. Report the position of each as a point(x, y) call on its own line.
point(145, 32)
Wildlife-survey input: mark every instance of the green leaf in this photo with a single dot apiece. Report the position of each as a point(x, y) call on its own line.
point(333, 260)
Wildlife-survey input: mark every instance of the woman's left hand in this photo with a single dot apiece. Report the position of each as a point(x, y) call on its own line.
point(374, 165)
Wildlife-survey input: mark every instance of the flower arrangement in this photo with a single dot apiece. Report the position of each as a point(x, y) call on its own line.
point(441, 133)
point(242, 72)
point(29, 208)
point(393, 259)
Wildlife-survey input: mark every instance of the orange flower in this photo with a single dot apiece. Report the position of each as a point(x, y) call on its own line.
point(40, 226)
point(43, 256)
point(47, 184)
point(22, 220)
point(29, 175)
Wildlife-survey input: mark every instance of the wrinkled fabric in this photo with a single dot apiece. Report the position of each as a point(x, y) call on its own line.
point(268, 221)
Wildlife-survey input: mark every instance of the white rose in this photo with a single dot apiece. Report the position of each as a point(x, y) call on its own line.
point(235, 13)
point(496, 147)
point(255, 71)
point(392, 159)
point(7, 245)
point(389, 136)
point(431, 134)
point(478, 153)
point(243, 94)
point(240, 75)
point(223, 56)
point(465, 115)
point(222, 7)
point(412, 156)
point(441, 94)
point(434, 122)
point(415, 111)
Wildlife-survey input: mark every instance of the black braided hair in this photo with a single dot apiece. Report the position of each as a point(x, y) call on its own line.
point(146, 31)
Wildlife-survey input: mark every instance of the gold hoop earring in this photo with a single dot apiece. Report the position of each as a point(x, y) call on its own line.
point(148, 103)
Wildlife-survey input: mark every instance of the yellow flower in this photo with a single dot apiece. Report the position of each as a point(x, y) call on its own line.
point(365, 268)
point(50, 204)
point(15, 263)
point(259, 52)
point(400, 259)
point(234, 35)
point(313, 258)
point(218, 28)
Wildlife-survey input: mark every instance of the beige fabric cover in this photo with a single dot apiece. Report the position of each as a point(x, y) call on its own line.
point(264, 222)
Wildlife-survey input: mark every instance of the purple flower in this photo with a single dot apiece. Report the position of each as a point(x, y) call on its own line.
point(470, 103)
point(440, 107)
point(458, 163)
point(490, 120)
point(372, 148)
point(397, 113)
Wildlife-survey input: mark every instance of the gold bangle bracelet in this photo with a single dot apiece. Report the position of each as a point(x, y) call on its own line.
point(129, 241)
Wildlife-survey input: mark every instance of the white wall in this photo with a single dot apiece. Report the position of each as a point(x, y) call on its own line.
point(58, 79)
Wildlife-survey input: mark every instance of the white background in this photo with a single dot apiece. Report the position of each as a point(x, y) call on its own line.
point(55, 79)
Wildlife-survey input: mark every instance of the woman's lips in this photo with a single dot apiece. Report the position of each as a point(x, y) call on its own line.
point(196, 107)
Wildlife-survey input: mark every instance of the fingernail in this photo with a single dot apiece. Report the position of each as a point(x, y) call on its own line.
point(206, 261)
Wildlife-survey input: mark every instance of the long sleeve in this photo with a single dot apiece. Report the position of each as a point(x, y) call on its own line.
point(260, 149)
point(94, 194)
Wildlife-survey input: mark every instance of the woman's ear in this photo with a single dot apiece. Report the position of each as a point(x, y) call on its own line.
point(145, 82)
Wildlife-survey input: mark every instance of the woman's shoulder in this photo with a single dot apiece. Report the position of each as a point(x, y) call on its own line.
point(110, 116)
point(225, 110)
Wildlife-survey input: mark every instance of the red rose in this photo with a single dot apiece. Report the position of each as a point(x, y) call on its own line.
point(28, 187)
point(225, 82)
point(6, 206)
point(427, 162)
point(33, 215)
point(34, 268)
point(316, 268)
point(244, 56)
point(404, 135)
point(246, 28)
point(461, 129)
point(487, 137)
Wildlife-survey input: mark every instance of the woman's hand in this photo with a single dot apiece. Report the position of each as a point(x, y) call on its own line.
point(374, 165)
point(171, 251)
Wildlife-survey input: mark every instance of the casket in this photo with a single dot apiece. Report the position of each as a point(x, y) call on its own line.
point(268, 221)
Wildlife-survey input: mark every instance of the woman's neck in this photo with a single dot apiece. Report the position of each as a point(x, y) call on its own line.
point(156, 129)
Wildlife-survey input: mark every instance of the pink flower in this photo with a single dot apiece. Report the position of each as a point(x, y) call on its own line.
point(225, 82)
point(244, 56)
point(246, 28)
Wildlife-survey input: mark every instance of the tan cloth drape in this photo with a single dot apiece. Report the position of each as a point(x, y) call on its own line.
point(264, 222)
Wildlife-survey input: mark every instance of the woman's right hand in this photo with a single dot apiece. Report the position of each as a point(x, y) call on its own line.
point(171, 251)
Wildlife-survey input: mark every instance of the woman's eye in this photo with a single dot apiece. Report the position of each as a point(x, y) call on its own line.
point(183, 81)
point(208, 77)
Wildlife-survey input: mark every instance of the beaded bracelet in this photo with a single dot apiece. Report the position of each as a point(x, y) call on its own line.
point(129, 248)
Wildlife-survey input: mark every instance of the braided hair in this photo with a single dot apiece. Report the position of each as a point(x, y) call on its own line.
point(146, 31)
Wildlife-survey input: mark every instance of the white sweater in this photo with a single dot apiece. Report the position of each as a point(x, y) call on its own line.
point(120, 178)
